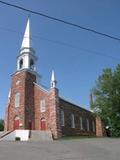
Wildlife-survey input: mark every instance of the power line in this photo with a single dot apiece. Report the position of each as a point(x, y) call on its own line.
point(78, 48)
point(63, 44)
point(60, 20)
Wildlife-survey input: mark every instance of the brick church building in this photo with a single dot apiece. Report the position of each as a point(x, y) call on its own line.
point(33, 107)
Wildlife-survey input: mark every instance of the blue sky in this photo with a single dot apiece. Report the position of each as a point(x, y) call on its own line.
point(77, 56)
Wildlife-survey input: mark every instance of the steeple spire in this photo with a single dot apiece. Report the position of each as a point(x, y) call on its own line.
point(53, 80)
point(26, 43)
point(26, 58)
point(26, 46)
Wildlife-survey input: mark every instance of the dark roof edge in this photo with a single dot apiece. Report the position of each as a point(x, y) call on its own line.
point(76, 105)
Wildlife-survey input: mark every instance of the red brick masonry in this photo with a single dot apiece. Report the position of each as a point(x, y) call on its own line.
point(30, 115)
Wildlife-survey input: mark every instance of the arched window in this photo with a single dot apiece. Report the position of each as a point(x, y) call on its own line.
point(93, 126)
point(17, 99)
point(62, 117)
point(32, 64)
point(72, 121)
point(42, 105)
point(21, 64)
point(88, 125)
point(81, 123)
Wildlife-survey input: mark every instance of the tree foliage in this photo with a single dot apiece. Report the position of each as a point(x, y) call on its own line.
point(1, 124)
point(107, 98)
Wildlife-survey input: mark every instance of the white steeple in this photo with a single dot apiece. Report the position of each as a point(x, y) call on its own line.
point(53, 80)
point(26, 43)
point(26, 58)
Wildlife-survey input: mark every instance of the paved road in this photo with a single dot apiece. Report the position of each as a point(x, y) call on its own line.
point(83, 149)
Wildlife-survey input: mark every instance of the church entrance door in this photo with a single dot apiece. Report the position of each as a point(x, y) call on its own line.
point(16, 123)
point(43, 124)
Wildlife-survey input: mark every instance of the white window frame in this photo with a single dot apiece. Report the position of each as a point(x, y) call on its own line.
point(72, 121)
point(88, 124)
point(81, 122)
point(62, 118)
point(17, 100)
point(93, 126)
point(17, 82)
point(42, 105)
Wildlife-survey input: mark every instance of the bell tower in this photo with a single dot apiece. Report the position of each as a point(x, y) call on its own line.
point(26, 58)
point(20, 112)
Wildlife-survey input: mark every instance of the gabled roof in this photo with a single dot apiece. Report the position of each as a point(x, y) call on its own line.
point(43, 88)
point(73, 103)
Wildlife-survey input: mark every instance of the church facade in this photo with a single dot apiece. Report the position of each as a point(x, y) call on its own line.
point(33, 107)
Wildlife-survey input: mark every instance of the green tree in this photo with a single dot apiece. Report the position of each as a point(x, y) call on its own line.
point(107, 98)
point(1, 124)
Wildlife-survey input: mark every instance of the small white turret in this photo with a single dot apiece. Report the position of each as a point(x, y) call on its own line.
point(53, 80)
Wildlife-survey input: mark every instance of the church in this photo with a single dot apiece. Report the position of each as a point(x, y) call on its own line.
point(33, 107)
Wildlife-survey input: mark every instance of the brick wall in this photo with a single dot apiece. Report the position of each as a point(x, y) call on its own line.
point(31, 94)
point(78, 112)
point(29, 100)
point(100, 128)
point(55, 113)
point(51, 114)
point(22, 83)
point(39, 94)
